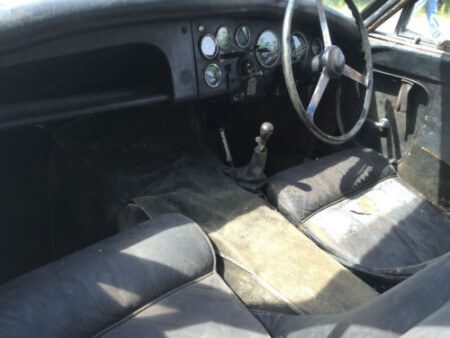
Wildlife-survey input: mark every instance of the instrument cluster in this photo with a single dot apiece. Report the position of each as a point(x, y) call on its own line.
point(242, 57)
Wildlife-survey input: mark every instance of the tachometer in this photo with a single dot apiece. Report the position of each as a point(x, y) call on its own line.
point(223, 37)
point(299, 47)
point(268, 49)
point(208, 46)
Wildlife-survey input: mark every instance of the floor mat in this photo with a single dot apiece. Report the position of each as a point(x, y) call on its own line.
point(167, 170)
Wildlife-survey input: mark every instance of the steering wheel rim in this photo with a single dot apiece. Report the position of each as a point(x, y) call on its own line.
point(331, 69)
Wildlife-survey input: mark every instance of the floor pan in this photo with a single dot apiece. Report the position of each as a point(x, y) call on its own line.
point(268, 262)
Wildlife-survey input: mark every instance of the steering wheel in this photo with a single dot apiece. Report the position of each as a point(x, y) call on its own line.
point(332, 62)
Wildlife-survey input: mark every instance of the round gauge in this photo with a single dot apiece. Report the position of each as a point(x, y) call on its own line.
point(208, 46)
point(213, 75)
point(316, 47)
point(242, 36)
point(268, 49)
point(223, 37)
point(299, 47)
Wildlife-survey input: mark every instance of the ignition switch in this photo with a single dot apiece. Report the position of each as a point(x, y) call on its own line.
point(249, 67)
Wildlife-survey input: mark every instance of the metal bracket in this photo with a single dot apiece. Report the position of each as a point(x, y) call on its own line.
point(402, 98)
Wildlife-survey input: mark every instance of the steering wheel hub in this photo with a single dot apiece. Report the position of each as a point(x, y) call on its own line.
point(333, 60)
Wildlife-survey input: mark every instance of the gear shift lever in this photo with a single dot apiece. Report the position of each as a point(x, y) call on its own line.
point(265, 132)
point(251, 177)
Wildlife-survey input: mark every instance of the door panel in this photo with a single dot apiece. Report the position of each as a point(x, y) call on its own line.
point(405, 112)
point(419, 138)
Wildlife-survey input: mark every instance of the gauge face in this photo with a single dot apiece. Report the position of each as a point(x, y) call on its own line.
point(242, 36)
point(208, 46)
point(268, 49)
point(213, 75)
point(316, 47)
point(223, 37)
point(299, 47)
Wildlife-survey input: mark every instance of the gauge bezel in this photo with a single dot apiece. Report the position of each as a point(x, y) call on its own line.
point(215, 44)
point(279, 46)
point(204, 75)
point(229, 32)
point(306, 44)
point(249, 36)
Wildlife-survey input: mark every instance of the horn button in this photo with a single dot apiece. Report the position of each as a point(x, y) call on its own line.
point(334, 61)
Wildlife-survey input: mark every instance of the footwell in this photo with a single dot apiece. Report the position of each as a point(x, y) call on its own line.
point(163, 166)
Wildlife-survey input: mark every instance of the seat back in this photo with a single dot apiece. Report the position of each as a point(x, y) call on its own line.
point(407, 308)
point(89, 290)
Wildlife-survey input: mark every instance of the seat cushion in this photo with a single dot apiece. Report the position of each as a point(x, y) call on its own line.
point(354, 206)
point(300, 191)
point(90, 290)
point(387, 230)
point(205, 307)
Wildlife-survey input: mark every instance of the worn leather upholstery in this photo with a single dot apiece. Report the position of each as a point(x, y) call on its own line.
point(302, 190)
point(387, 230)
point(155, 279)
point(354, 206)
point(418, 307)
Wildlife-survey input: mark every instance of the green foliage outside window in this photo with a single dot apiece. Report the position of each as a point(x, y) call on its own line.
point(444, 5)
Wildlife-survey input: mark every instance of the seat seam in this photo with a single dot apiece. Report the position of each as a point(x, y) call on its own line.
point(396, 272)
point(370, 185)
point(152, 302)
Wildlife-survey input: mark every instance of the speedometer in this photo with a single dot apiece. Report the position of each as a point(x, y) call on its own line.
point(268, 49)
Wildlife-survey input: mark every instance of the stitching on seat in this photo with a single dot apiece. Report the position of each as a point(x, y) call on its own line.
point(145, 306)
point(149, 304)
point(395, 272)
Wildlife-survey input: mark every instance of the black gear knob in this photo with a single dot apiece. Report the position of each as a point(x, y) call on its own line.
point(265, 131)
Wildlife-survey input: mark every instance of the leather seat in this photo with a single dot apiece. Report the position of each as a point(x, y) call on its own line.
point(418, 307)
point(354, 206)
point(156, 279)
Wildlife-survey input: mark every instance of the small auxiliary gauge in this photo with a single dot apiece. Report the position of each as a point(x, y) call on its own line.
point(299, 47)
point(223, 37)
point(316, 46)
point(213, 75)
point(242, 36)
point(208, 46)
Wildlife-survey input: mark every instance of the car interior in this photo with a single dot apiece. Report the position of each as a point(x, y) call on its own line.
point(257, 168)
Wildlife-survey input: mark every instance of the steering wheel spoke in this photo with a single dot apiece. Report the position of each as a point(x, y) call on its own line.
point(318, 93)
point(333, 64)
point(323, 24)
point(355, 75)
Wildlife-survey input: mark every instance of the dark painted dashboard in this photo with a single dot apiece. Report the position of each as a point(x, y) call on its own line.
point(246, 64)
point(64, 59)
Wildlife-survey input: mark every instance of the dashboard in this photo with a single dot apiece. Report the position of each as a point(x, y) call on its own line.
point(148, 63)
point(79, 57)
point(241, 57)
